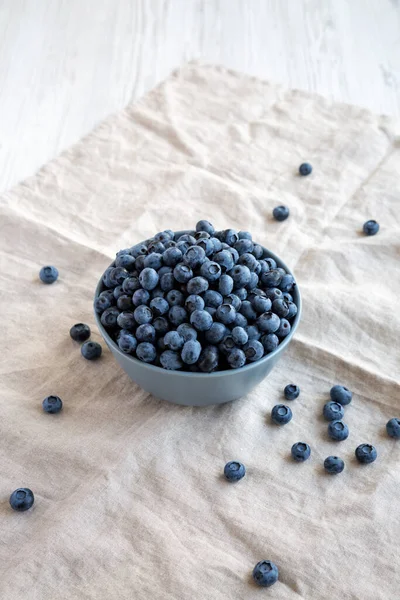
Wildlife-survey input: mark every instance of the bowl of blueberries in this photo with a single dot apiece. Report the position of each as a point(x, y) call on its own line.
point(197, 317)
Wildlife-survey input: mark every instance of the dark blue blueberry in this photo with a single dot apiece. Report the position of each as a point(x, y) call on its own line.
point(305, 169)
point(333, 465)
point(226, 314)
point(241, 293)
point(337, 430)
point(210, 270)
point(182, 273)
point(201, 235)
point(288, 297)
point(194, 302)
point(80, 332)
point(301, 451)
point(153, 261)
point(146, 333)
point(333, 411)
point(287, 283)
point(235, 254)
point(281, 414)
point(284, 329)
point(159, 306)
point(292, 310)
point(167, 282)
point(253, 281)
point(217, 244)
point(274, 294)
point(140, 297)
point(291, 391)
point(234, 470)
point(239, 335)
point(261, 304)
point(207, 246)
point(265, 573)
point(213, 298)
point(280, 213)
point(91, 350)
point(139, 263)
point(234, 300)
point(177, 315)
point(236, 358)
point(101, 303)
point(204, 225)
point(187, 332)
point(170, 233)
point(249, 261)
point(49, 274)
point(118, 275)
point(393, 428)
point(201, 320)
point(124, 302)
point(126, 261)
point(208, 360)
point(253, 332)
point(245, 235)
point(241, 275)
point(227, 344)
point(118, 291)
point(240, 320)
point(143, 314)
point(216, 333)
point(224, 259)
point(268, 322)
point(194, 257)
point(371, 227)
point(365, 453)
point(156, 247)
point(52, 404)
point(164, 270)
point(271, 263)
point(163, 237)
point(211, 310)
point(175, 298)
point(186, 237)
point(161, 325)
point(138, 250)
point(248, 311)
point(243, 245)
point(225, 284)
point(183, 246)
point(22, 499)
point(271, 279)
point(148, 278)
point(341, 394)
point(171, 360)
point(258, 251)
point(109, 317)
point(270, 342)
point(108, 294)
point(191, 352)
point(126, 320)
point(173, 340)
point(254, 350)
point(280, 307)
point(231, 237)
point(197, 285)
point(127, 342)
point(130, 285)
point(146, 352)
point(172, 256)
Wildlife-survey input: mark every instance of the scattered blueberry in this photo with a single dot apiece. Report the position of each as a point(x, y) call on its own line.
point(337, 430)
point(265, 573)
point(301, 451)
point(333, 464)
point(22, 499)
point(234, 470)
point(305, 169)
point(280, 213)
point(48, 274)
point(341, 394)
point(91, 350)
point(281, 414)
point(52, 404)
point(365, 453)
point(80, 332)
point(291, 391)
point(371, 227)
point(393, 428)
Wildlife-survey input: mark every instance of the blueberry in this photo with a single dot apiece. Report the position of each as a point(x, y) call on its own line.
point(231, 237)
point(108, 294)
point(163, 237)
point(254, 350)
point(182, 273)
point(248, 311)
point(146, 333)
point(258, 251)
point(239, 335)
point(141, 297)
point(139, 263)
point(250, 261)
point(225, 284)
point(194, 302)
point(207, 246)
point(265, 573)
point(333, 465)
point(124, 302)
point(138, 250)
point(243, 246)
point(253, 332)
point(49, 274)
point(210, 270)
point(268, 322)
point(156, 247)
point(216, 333)
point(130, 285)
point(337, 430)
point(233, 300)
point(227, 344)
point(287, 283)
point(164, 270)
point(177, 315)
point(301, 451)
point(201, 235)
point(80, 332)
point(205, 226)
point(143, 314)
point(201, 320)
point(253, 281)
point(269, 342)
point(366, 453)
point(224, 259)
point(235, 254)
point(194, 256)
point(159, 306)
point(161, 325)
point(148, 278)
point(234, 470)
point(186, 237)
point(52, 404)
point(226, 313)
point(191, 352)
point(241, 275)
point(197, 285)
point(280, 213)
point(245, 235)
point(236, 358)
point(305, 169)
point(284, 329)
point(264, 266)
point(291, 391)
point(281, 414)
point(187, 332)
point(146, 352)
point(213, 298)
point(183, 246)
point(109, 317)
point(118, 275)
point(126, 320)
point(173, 340)
point(271, 263)
point(271, 279)
point(153, 261)
point(208, 360)
point(393, 428)
point(172, 256)
point(127, 342)
point(211, 310)
point(170, 233)
point(22, 499)
point(217, 244)
point(171, 360)
point(175, 298)
point(118, 291)
point(341, 394)
point(126, 261)
point(333, 411)
point(280, 307)
point(241, 293)
point(288, 297)
point(292, 310)
point(91, 350)
point(273, 294)
point(240, 321)
point(371, 227)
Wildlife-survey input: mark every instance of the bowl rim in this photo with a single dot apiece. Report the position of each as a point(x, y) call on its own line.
point(154, 368)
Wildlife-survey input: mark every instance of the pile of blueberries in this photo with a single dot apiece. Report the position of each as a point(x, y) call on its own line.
point(202, 301)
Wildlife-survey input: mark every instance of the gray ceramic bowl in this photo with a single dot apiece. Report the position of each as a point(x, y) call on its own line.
point(200, 389)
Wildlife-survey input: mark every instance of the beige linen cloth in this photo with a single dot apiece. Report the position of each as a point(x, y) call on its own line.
point(130, 502)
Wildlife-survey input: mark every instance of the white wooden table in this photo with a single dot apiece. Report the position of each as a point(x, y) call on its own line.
point(66, 64)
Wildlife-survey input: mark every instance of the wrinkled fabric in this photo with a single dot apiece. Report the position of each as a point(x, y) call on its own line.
point(130, 500)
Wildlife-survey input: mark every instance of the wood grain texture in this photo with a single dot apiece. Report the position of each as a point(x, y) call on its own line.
point(65, 65)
